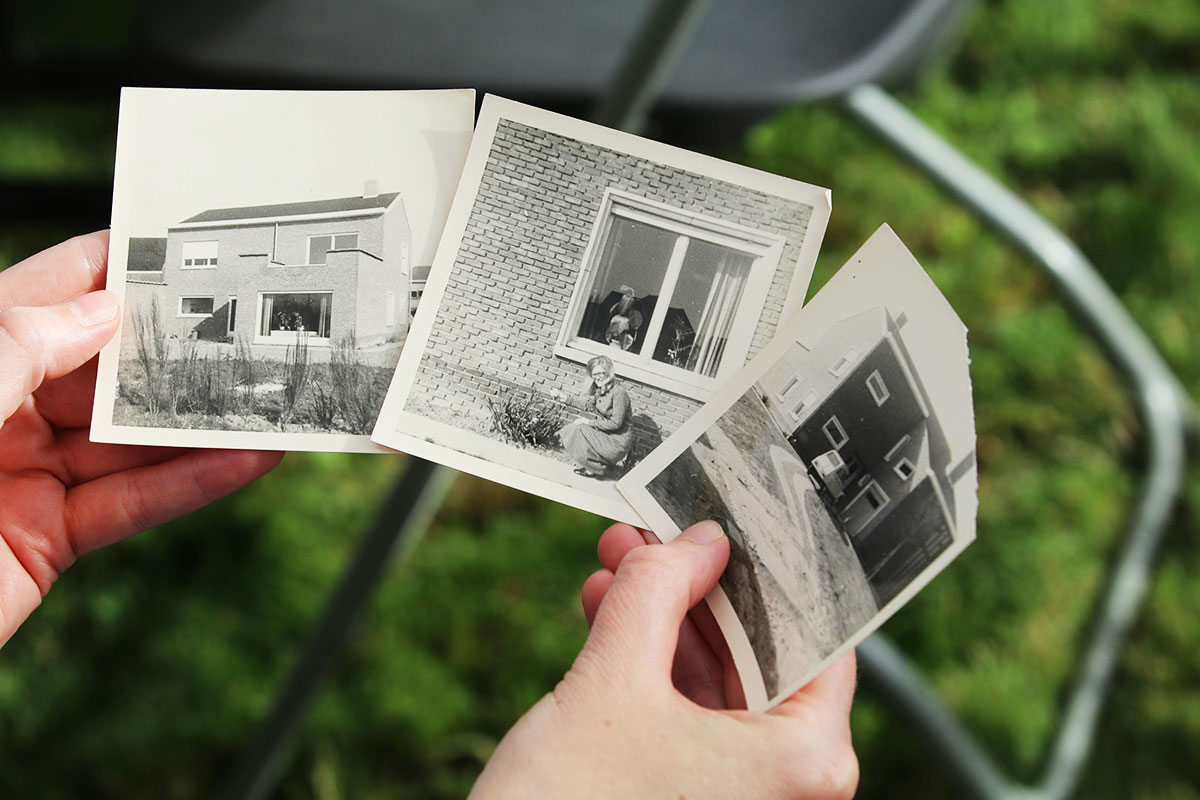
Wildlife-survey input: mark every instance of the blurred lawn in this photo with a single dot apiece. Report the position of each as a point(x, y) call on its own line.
point(150, 663)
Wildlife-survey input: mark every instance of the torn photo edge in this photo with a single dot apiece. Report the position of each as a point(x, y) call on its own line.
point(482, 454)
point(424, 133)
point(883, 273)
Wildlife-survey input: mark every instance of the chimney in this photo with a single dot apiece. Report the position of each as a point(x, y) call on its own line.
point(371, 189)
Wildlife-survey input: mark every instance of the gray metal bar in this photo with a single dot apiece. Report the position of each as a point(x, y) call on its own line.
point(402, 519)
point(648, 63)
point(1165, 412)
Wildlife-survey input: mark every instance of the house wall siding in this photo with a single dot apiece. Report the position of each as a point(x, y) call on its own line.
point(520, 257)
point(357, 279)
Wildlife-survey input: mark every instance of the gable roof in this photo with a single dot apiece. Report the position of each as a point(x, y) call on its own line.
point(146, 254)
point(340, 204)
point(420, 273)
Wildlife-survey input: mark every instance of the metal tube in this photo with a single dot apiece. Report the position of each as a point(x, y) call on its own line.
point(401, 520)
point(648, 64)
point(1163, 407)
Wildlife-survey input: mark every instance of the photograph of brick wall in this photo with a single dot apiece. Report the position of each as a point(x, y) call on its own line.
point(595, 301)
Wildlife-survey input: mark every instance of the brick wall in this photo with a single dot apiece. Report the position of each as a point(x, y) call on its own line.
point(520, 257)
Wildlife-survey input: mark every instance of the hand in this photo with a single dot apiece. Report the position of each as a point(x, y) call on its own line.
point(60, 494)
point(645, 709)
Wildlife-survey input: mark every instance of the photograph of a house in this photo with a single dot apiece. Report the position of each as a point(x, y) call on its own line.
point(269, 272)
point(591, 291)
point(841, 462)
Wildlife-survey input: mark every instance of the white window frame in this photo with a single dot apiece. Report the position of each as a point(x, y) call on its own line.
point(843, 364)
point(332, 246)
point(230, 316)
point(900, 465)
point(765, 248)
point(881, 395)
point(183, 259)
point(833, 420)
point(806, 404)
point(290, 337)
point(792, 383)
point(179, 306)
point(903, 440)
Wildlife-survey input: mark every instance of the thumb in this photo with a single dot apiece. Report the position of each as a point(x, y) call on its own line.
point(42, 343)
point(653, 589)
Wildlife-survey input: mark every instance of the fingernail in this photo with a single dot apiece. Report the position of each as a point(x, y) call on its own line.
point(705, 532)
point(95, 308)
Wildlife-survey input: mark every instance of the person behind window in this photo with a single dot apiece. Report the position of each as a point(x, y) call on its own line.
point(601, 442)
point(625, 320)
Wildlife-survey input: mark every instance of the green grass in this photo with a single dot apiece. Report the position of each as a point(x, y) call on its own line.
point(149, 663)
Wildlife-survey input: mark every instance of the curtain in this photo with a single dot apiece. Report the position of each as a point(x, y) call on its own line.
point(268, 307)
point(720, 309)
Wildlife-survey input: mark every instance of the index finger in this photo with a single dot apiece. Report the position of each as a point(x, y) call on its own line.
point(60, 273)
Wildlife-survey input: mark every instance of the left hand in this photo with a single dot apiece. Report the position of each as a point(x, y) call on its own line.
point(60, 494)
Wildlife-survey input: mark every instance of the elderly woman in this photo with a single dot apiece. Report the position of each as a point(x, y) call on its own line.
point(597, 444)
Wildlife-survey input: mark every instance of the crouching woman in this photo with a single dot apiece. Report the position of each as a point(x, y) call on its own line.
point(602, 440)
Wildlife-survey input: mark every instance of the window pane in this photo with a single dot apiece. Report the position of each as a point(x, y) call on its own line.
point(703, 307)
point(318, 247)
point(196, 305)
point(296, 312)
point(345, 241)
point(627, 284)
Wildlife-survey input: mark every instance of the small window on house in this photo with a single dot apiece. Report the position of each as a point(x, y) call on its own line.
point(843, 364)
point(904, 468)
point(199, 255)
point(229, 328)
point(673, 296)
point(283, 316)
point(320, 245)
point(903, 440)
point(804, 406)
point(835, 433)
point(195, 306)
point(878, 388)
point(788, 387)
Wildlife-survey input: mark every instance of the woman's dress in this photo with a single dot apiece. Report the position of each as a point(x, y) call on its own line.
point(603, 442)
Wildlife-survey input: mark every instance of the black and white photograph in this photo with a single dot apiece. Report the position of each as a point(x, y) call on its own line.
point(841, 463)
point(592, 290)
point(270, 249)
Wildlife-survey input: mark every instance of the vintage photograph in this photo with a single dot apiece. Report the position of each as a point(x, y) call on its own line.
point(593, 289)
point(270, 249)
point(841, 463)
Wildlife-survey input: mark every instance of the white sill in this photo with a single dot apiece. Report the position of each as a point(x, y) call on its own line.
point(289, 341)
point(696, 387)
point(194, 316)
point(209, 266)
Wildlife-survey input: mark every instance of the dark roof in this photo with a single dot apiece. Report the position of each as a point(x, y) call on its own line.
point(295, 209)
point(420, 273)
point(146, 254)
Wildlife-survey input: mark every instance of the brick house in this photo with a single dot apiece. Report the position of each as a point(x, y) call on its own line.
point(265, 273)
point(567, 238)
point(855, 411)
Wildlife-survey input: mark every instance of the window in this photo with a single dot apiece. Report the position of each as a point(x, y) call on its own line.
point(670, 296)
point(904, 468)
point(320, 245)
point(903, 440)
point(835, 433)
point(878, 388)
point(284, 316)
point(195, 306)
point(199, 255)
point(232, 316)
point(804, 406)
point(875, 497)
point(844, 363)
point(786, 390)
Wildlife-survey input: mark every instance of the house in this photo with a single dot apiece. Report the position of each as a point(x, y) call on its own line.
point(416, 287)
point(265, 273)
point(853, 408)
